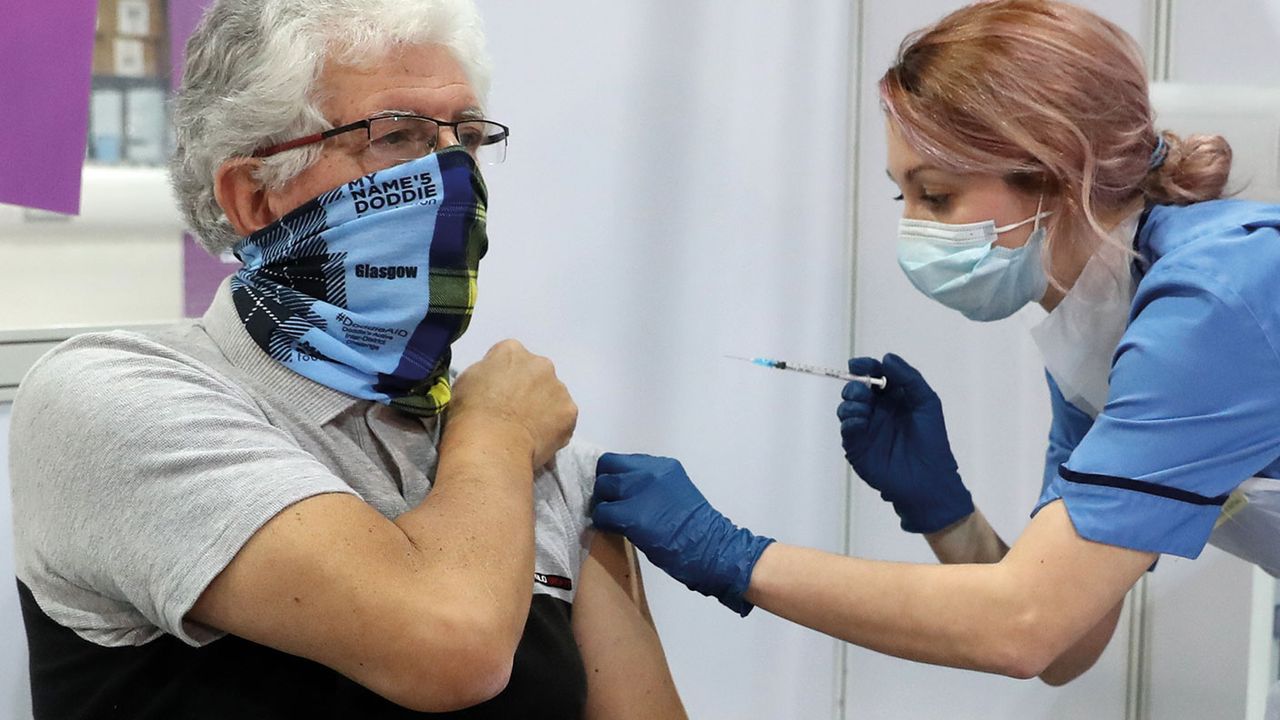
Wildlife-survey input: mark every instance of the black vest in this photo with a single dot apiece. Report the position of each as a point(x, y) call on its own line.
point(234, 679)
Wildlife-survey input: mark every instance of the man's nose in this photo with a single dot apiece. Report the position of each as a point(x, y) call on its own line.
point(448, 137)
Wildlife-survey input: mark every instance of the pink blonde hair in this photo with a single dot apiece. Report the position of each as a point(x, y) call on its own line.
point(1054, 99)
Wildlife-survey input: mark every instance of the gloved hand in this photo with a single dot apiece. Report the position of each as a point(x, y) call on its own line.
point(896, 441)
point(652, 502)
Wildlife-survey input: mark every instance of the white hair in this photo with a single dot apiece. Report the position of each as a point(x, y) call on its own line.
point(251, 80)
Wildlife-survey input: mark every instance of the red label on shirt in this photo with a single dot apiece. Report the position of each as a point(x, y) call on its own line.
point(555, 581)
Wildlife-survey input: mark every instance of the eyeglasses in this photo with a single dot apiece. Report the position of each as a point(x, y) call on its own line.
point(398, 137)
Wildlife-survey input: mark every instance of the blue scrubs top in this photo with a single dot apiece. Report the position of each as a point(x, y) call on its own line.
point(1194, 406)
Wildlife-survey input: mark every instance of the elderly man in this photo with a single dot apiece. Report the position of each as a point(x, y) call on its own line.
point(290, 508)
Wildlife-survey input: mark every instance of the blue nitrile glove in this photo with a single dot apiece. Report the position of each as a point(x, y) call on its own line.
point(654, 504)
point(896, 441)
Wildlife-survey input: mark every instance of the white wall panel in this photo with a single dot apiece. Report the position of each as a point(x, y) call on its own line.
point(1226, 41)
point(675, 191)
point(119, 261)
point(1199, 649)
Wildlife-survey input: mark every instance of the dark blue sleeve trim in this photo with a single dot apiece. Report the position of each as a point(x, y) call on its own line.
point(1139, 486)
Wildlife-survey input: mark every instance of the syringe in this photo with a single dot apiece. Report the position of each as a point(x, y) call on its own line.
point(812, 370)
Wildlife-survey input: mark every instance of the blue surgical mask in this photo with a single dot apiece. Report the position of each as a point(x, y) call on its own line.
point(961, 267)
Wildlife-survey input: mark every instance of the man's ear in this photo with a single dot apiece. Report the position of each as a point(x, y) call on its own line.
point(242, 196)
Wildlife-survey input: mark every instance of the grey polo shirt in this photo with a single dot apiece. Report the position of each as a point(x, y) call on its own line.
point(141, 463)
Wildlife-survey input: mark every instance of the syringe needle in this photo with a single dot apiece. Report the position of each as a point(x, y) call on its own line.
point(812, 370)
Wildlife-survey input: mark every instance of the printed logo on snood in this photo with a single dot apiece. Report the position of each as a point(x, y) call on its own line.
point(379, 193)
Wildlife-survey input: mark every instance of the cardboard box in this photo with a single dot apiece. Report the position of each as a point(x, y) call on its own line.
point(131, 40)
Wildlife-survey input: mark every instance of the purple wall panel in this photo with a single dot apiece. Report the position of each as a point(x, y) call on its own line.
point(46, 65)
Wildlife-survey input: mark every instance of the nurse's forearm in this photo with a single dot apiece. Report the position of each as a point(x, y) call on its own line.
point(972, 540)
point(1034, 609)
point(963, 616)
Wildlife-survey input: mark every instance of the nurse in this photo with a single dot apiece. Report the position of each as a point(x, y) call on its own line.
point(1020, 135)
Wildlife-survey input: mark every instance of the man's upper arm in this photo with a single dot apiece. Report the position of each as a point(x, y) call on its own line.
point(327, 579)
point(139, 477)
point(627, 673)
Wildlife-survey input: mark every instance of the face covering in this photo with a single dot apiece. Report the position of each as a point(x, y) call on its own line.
point(364, 288)
point(1079, 338)
point(961, 267)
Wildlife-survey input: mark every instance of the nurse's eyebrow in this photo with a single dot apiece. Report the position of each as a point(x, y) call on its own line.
point(911, 174)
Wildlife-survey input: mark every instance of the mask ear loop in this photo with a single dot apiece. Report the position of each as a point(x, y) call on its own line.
point(1034, 218)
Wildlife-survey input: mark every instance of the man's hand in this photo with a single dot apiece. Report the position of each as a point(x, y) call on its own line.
point(512, 385)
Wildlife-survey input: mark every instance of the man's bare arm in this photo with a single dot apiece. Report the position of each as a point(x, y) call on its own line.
point(627, 673)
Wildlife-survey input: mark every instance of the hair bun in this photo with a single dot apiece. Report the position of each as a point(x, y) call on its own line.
point(1194, 169)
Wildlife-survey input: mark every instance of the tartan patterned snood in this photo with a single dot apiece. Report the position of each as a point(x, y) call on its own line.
point(364, 288)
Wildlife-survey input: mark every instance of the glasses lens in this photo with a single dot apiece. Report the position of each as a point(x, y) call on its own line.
point(486, 141)
point(397, 138)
